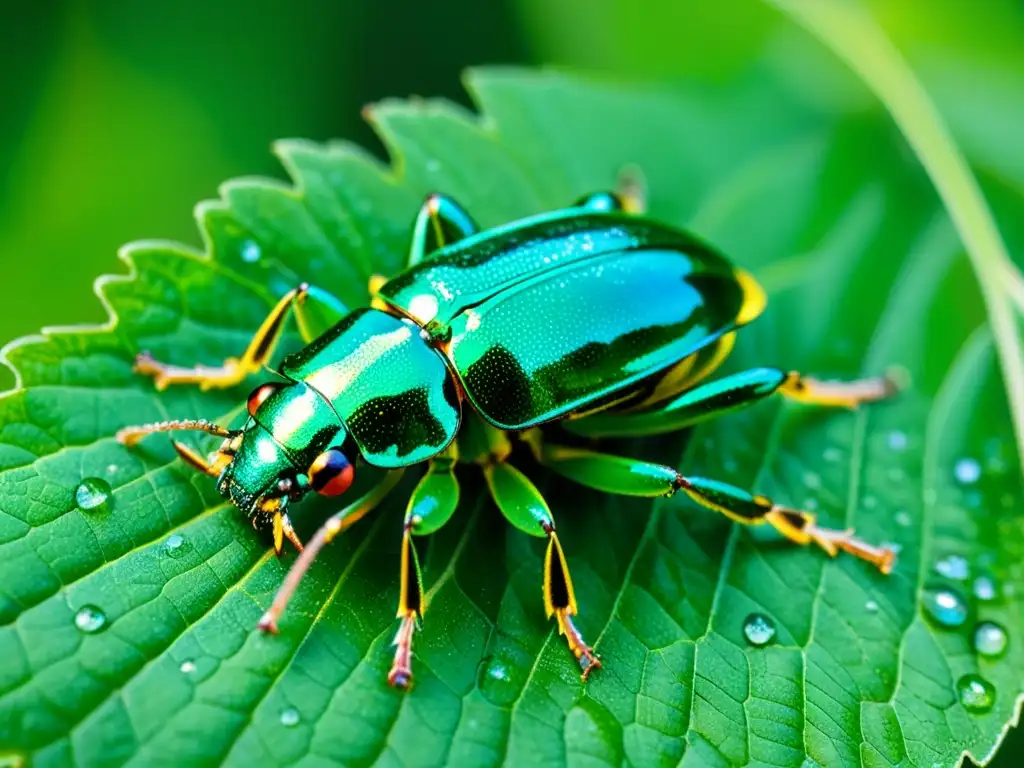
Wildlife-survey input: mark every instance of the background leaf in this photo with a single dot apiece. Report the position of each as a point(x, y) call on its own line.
point(865, 272)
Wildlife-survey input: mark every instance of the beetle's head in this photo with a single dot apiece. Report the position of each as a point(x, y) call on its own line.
point(291, 444)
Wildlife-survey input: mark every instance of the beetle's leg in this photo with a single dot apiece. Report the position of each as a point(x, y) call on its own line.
point(715, 398)
point(522, 504)
point(212, 466)
point(256, 355)
point(632, 477)
point(430, 507)
point(335, 524)
point(441, 221)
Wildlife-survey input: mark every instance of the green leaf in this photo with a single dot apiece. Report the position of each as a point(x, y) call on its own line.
point(865, 272)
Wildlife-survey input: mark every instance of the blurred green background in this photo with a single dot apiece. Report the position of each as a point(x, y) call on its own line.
point(118, 116)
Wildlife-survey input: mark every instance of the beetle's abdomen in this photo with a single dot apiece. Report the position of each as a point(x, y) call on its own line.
point(391, 389)
point(572, 337)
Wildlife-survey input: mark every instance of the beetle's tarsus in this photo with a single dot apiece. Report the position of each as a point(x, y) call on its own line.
point(842, 394)
point(400, 675)
point(268, 623)
point(589, 661)
point(228, 374)
point(833, 541)
point(802, 528)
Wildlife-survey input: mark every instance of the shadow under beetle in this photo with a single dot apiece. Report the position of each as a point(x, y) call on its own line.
point(591, 319)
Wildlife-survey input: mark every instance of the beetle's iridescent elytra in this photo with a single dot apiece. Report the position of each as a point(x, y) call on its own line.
point(592, 320)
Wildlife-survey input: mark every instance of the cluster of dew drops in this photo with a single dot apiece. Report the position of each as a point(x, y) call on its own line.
point(944, 606)
point(93, 495)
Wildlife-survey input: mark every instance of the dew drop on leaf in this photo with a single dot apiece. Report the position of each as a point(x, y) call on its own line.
point(903, 519)
point(953, 567)
point(976, 693)
point(289, 717)
point(92, 494)
point(496, 671)
point(90, 619)
point(188, 667)
point(871, 606)
point(494, 678)
point(945, 607)
point(897, 440)
point(811, 480)
point(250, 252)
point(758, 629)
point(985, 588)
point(176, 545)
point(433, 165)
point(967, 471)
point(989, 639)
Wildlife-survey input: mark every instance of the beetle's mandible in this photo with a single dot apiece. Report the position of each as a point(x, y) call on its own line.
point(626, 317)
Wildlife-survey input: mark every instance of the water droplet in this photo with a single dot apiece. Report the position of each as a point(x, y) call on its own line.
point(871, 606)
point(903, 518)
point(953, 567)
point(967, 471)
point(250, 252)
point(976, 693)
point(758, 629)
point(945, 607)
point(832, 455)
point(495, 680)
point(90, 619)
point(897, 440)
point(188, 667)
point(176, 545)
point(870, 502)
point(289, 717)
point(433, 165)
point(894, 546)
point(810, 504)
point(497, 671)
point(985, 588)
point(989, 639)
point(811, 480)
point(111, 469)
point(92, 494)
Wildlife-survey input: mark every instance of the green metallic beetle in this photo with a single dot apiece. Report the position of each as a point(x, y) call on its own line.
point(593, 320)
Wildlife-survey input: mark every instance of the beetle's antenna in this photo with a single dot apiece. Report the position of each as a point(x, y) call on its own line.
point(132, 435)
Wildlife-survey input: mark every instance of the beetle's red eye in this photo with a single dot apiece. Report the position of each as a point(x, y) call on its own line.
point(259, 396)
point(331, 473)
